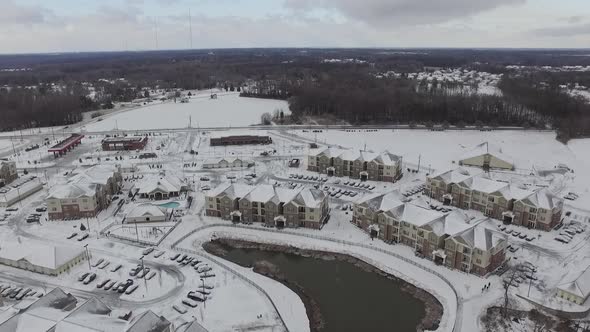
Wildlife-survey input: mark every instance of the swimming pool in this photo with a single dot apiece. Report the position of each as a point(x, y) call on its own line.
point(170, 205)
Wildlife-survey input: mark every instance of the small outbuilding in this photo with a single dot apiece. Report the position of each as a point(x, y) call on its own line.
point(145, 213)
point(576, 289)
point(487, 157)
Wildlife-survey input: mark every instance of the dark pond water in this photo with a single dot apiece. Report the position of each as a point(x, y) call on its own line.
point(350, 299)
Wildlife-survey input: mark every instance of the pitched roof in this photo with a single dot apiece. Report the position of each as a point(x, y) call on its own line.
point(71, 190)
point(452, 224)
point(543, 199)
point(149, 322)
point(385, 157)
point(579, 286)
point(481, 236)
point(39, 253)
point(382, 202)
point(415, 215)
point(311, 198)
point(144, 210)
point(456, 175)
point(486, 148)
point(193, 326)
point(162, 183)
point(483, 184)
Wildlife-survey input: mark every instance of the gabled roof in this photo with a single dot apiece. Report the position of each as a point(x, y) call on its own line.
point(456, 175)
point(385, 158)
point(382, 202)
point(515, 192)
point(579, 286)
point(161, 183)
point(146, 210)
point(543, 199)
point(452, 224)
point(311, 198)
point(486, 148)
point(149, 322)
point(415, 215)
point(232, 191)
point(39, 253)
point(261, 193)
point(483, 184)
point(481, 236)
point(193, 326)
point(71, 191)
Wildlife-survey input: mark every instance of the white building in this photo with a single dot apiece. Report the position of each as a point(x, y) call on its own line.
point(576, 289)
point(19, 189)
point(145, 213)
point(40, 257)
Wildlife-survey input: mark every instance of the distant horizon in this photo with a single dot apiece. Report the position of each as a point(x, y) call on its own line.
point(66, 26)
point(305, 48)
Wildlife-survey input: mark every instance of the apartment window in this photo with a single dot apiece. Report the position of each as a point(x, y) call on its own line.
point(53, 209)
point(254, 204)
point(262, 205)
point(210, 206)
point(478, 261)
point(491, 199)
point(302, 209)
point(311, 210)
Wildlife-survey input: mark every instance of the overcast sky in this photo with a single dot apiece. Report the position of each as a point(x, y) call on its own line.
point(106, 25)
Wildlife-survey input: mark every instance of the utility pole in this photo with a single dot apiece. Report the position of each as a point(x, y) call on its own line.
point(190, 26)
point(137, 233)
point(532, 272)
point(419, 160)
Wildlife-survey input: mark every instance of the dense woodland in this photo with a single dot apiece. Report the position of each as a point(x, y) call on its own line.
point(41, 90)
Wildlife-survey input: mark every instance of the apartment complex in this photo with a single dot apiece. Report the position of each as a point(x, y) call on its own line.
point(84, 194)
point(510, 203)
point(8, 172)
point(449, 239)
point(361, 165)
point(270, 205)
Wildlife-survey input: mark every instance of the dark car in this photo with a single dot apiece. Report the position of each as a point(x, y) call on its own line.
point(126, 285)
point(71, 236)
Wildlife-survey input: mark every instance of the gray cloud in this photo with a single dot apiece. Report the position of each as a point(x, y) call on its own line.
point(564, 31)
point(13, 13)
point(395, 12)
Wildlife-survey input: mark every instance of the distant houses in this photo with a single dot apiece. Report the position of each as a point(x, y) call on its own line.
point(227, 163)
point(450, 239)
point(510, 203)
point(85, 194)
point(269, 205)
point(361, 165)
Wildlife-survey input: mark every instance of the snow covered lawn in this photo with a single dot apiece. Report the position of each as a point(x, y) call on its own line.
point(226, 111)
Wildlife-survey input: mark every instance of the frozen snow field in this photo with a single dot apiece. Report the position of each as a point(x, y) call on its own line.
point(228, 110)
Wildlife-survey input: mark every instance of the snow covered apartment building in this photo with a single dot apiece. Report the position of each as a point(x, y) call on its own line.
point(467, 189)
point(269, 205)
point(449, 239)
point(361, 165)
point(85, 194)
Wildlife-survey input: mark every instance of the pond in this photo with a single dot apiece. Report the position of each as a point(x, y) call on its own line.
point(349, 298)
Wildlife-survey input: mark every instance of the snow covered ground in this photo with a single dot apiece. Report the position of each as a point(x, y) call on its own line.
point(226, 111)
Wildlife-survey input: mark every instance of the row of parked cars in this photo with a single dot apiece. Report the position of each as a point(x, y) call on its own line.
point(414, 191)
point(355, 184)
point(567, 232)
point(440, 208)
point(18, 292)
point(338, 192)
point(516, 233)
point(122, 287)
point(308, 177)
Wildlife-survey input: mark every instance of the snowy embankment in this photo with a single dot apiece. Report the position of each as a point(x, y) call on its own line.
point(402, 267)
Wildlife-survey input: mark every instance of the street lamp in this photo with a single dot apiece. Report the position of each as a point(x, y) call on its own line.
point(203, 290)
point(88, 256)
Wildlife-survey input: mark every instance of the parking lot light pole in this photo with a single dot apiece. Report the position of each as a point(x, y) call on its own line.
point(88, 257)
point(532, 272)
point(204, 296)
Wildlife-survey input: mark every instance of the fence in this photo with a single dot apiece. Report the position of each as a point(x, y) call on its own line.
point(459, 308)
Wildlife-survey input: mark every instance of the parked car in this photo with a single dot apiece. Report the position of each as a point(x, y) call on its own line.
point(98, 262)
point(150, 275)
point(83, 237)
point(196, 296)
point(159, 253)
point(109, 285)
point(103, 283)
point(83, 276)
point(123, 288)
point(131, 289)
point(174, 257)
point(190, 303)
point(116, 268)
point(147, 251)
point(71, 236)
point(180, 309)
point(90, 278)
